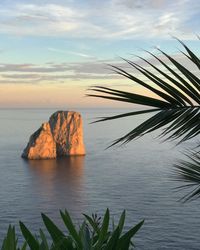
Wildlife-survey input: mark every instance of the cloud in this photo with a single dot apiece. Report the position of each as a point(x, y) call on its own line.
point(79, 54)
point(45, 20)
point(65, 73)
point(112, 19)
point(54, 73)
point(33, 68)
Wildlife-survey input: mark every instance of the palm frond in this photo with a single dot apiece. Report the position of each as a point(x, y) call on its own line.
point(118, 95)
point(101, 119)
point(191, 55)
point(188, 172)
point(177, 100)
point(175, 123)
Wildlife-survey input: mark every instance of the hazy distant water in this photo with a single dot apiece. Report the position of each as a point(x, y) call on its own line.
point(136, 177)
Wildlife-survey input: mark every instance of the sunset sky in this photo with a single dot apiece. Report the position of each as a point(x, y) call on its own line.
point(52, 51)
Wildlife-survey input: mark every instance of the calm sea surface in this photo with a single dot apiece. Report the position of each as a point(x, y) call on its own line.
point(136, 177)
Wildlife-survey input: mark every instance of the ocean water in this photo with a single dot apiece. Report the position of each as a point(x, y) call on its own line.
point(136, 177)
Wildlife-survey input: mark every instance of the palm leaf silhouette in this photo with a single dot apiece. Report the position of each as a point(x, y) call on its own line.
point(177, 101)
point(176, 107)
point(188, 172)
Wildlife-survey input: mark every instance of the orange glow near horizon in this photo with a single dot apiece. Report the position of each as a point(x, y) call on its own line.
point(61, 95)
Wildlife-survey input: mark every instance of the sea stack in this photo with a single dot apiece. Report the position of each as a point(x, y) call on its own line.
point(61, 136)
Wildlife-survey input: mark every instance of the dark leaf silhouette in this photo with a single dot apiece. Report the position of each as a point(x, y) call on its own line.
point(176, 107)
point(188, 172)
point(176, 103)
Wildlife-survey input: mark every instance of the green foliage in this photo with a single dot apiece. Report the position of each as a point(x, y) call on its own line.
point(93, 234)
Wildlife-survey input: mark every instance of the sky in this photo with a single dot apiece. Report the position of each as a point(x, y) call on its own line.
point(52, 51)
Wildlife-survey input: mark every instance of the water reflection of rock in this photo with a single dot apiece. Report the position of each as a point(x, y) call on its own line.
point(58, 182)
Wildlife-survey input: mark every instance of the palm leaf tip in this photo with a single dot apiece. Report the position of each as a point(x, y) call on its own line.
point(188, 172)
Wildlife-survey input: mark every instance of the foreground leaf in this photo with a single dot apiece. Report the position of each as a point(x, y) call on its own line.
point(125, 240)
point(9, 243)
point(30, 239)
point(70, 226)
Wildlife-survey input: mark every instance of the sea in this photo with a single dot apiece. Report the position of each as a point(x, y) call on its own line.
point(137, 177)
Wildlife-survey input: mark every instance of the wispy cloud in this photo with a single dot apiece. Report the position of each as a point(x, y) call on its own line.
point(79, 54)
point(64, 73)
point(54, 73)
point(120, 19)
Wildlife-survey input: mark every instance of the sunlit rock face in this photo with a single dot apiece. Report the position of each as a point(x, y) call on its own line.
point(66, 128)
point(41, 144)
point(61, 136)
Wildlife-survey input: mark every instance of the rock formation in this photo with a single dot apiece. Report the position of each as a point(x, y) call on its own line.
point(41, 144)
point(61, 136)
point(66, 128)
